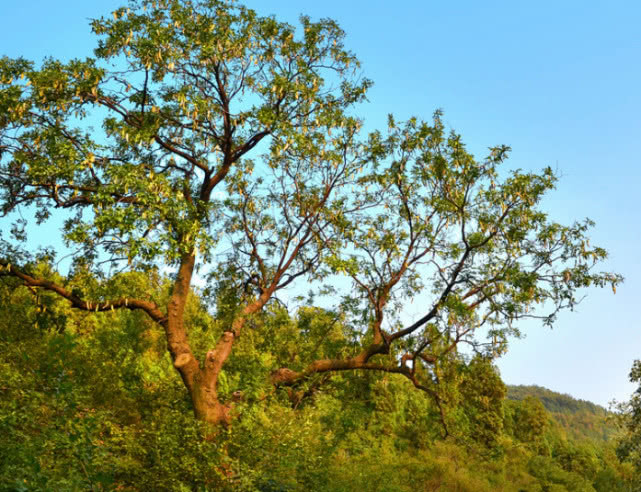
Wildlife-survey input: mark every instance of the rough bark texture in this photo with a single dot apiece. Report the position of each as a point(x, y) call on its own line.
point(201, 382)
point(207, 406)
point(177, 342)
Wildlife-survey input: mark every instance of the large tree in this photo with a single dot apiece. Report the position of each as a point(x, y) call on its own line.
point(203, 136)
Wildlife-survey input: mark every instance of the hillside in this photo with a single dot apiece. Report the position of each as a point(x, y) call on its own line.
point(578, 419)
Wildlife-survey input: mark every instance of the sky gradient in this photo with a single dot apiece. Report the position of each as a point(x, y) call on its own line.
point(560, 84)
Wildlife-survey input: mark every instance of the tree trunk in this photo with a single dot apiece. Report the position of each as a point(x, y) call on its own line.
point(208, 408)
point(204, 395)
point(201, 382)
point(177, 342)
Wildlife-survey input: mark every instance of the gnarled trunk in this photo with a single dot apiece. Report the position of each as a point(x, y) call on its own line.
point(204, 394)
point(207, 406)
point(200, 382)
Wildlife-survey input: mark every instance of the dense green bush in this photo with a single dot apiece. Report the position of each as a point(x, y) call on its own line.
point(93, 403)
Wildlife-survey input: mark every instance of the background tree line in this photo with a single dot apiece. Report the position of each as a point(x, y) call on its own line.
point(90, 402)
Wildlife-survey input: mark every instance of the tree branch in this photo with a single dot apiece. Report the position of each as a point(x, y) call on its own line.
point(149, 307)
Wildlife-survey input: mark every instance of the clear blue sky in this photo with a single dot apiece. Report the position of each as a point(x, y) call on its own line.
point(558, 81)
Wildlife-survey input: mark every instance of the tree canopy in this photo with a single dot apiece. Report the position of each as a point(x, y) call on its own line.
point(205, 139)
point(629, 423)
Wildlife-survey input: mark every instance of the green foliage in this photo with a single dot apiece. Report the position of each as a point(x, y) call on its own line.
point(80, 409)
point(554, 402)
point(482, 395)
point(163, 118)
point(530, 421)
point(578, 419)
point(628, 421)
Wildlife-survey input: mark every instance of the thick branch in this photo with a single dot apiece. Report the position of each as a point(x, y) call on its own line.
point(286, 377)
point(177, 342)
point(77, 302)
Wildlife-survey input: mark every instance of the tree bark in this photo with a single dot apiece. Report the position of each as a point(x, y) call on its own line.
point(177, 342)
point(201, 383)
point(207, 405)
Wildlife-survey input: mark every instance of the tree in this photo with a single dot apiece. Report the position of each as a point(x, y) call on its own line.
point(530, 421)
point(629, 421)
point(227, 143)
point(482, 398)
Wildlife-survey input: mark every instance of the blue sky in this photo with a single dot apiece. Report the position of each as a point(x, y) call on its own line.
point(557, 81)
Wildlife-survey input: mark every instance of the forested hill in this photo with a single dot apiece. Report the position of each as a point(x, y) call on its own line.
point(580, 419)
point(553, 401)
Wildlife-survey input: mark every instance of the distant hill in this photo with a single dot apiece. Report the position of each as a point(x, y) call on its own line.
point(579, 419)
point(553, 401)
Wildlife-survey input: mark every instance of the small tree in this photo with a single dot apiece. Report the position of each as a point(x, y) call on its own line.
point(629, 422)
point(225, 142)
